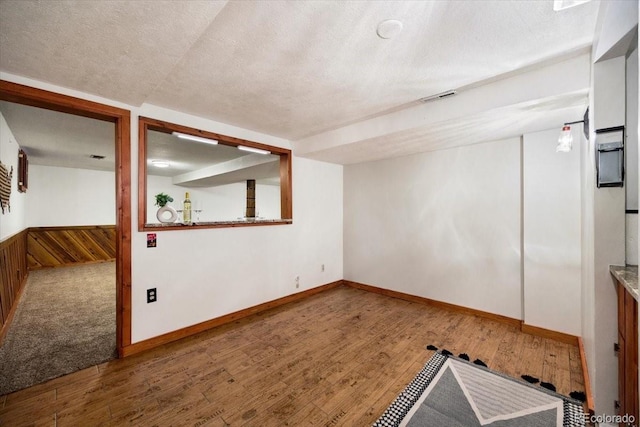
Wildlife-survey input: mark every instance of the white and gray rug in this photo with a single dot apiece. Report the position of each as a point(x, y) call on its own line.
point(451, 392)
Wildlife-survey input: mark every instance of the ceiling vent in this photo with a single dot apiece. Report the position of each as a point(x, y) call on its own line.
point(442, 95)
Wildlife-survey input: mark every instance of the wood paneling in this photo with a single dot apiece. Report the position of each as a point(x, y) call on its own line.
point(628, 353)
point(62, 246)
point(13, 274)
point(338, 358)
point(121, 118)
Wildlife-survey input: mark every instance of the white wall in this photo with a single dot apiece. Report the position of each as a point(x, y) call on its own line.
point(552, 228)
point(14, 221)
point(202, 274)
point(220, 203)
point(443, 225)
point(631, 143)
point(587, 179)
point(609, 239)
point(68, 196)
point(631, 158)
point(619, 20)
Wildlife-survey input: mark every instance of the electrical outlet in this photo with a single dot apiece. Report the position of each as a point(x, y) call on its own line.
point(297, 282)
point(152, 295)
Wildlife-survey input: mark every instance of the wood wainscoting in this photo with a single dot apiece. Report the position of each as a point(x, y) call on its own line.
point(62, 246)
point(13, 275)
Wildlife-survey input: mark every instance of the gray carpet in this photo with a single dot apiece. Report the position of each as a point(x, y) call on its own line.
point(65, 322)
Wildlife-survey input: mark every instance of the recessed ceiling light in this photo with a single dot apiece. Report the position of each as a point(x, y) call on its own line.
point(195, 138)
point(253, 150)
point(96, 156)
point(389, 28)
point(160, 163)
point(566, 4)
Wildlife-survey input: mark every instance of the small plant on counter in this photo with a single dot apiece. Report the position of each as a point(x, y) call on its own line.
point(162, 199)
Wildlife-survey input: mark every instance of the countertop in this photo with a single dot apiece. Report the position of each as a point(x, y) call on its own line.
point(627, 275)
point(219, 223)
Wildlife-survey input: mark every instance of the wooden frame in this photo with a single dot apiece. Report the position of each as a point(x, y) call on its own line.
point(145, 123)
point(23, 171)
point(121, 118)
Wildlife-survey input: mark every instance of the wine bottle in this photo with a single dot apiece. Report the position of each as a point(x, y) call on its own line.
point(186, 209)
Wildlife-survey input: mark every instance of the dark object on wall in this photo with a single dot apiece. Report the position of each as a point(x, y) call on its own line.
point(5, 187)
point(610, 157)
point(23, 171)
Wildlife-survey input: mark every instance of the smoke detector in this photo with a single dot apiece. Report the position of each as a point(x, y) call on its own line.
point(389, 29)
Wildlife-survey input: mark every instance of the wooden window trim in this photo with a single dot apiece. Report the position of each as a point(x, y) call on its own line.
point(286, 205)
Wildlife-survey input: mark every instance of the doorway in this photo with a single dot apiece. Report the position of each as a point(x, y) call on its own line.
point(121, 118)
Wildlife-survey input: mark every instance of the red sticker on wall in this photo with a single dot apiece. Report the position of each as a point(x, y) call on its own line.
point(151, 240)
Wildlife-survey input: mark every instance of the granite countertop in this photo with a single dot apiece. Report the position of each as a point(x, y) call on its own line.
point(628, 277)
point(219, 223)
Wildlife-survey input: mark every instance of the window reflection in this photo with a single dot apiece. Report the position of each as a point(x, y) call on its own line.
point(221, 179)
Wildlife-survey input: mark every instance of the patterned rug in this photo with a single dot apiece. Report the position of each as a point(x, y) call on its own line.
point(451, 392)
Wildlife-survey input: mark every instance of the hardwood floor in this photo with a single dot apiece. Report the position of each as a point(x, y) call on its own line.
point(337, 358)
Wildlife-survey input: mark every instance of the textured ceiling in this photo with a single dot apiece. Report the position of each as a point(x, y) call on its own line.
point(66, 140)
point(58, 139)
point(287, 68)
point(121, 50)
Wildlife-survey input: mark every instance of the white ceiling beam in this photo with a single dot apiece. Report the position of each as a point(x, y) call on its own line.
point(562, 79)
point(244, 163)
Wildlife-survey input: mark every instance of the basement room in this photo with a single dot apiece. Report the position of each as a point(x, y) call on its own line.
point(327, 213)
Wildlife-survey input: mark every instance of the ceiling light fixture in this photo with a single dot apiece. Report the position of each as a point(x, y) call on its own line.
point(566, 4)
point(160, 163)
point(253, 150)
point(389, 29)
point(195, 138)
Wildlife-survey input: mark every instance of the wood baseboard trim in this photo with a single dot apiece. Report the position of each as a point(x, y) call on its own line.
point(585, 375)
point(548, 333)
point(71, 264)
point(218, 321)
point(14, 307)
point(528, 329)
point(445, 305)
